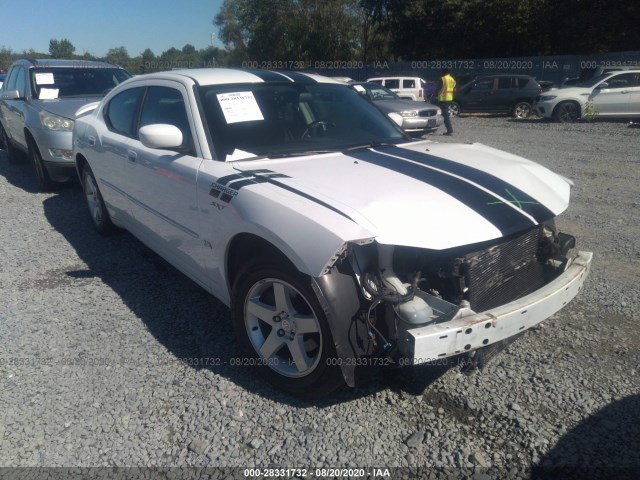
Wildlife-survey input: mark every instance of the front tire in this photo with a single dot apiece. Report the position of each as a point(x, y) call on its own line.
point(566, 112)
point(97, 209)
point(281, 326)
point(13, 154)
point(45, 184)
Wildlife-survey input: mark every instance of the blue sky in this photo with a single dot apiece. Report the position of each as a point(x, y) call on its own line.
point(95, 26)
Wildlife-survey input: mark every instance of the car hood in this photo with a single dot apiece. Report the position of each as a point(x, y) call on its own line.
point(65, 107)
point(423, 194)
point(573, 90)
point(398, 105)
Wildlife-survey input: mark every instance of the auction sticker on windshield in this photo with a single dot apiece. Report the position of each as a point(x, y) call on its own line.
point(239, 107)
point(44, 78)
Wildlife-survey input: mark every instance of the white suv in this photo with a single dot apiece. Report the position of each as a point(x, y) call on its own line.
point(611, 95)
point(411, 88)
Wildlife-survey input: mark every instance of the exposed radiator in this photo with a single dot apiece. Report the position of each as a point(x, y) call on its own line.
point(504, 272)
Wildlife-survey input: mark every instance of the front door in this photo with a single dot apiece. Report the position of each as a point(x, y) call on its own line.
point(161, 183)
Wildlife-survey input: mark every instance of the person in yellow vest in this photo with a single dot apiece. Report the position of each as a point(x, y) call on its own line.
point(445, 97)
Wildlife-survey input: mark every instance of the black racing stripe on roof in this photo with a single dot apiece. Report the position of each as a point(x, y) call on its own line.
point(502, 216)
point(498, 186)
point(299, 77)
point(268, 76)
point(309, 197)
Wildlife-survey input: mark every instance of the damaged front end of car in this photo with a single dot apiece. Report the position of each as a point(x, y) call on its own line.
point(406, 305)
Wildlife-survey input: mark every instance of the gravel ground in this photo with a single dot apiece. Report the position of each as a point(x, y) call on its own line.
point(109, 357)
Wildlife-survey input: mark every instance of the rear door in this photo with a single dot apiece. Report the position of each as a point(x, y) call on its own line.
point(502, 96)
point(111, 146)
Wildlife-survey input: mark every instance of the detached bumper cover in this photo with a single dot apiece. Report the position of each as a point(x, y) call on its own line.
point(468, 331)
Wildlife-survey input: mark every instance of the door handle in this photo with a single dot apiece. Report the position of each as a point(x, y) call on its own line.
point(132, 156)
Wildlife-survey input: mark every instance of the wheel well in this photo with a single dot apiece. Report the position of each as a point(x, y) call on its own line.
point(522, 100)
point(29, 140)
point(246, 247)
point(567, 101)
point(80, 164)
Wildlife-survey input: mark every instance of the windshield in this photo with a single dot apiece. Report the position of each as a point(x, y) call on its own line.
point(592, 82)
point(66, 82)
point(375, 91)
point(284, 119)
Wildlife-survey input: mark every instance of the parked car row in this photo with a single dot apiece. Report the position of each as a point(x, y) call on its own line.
point(339, 243)
point(605, 92)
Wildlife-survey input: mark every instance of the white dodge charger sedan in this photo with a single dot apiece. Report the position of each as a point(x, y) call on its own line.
point(339, 244)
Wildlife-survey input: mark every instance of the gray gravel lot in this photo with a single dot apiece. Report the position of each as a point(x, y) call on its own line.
point(109, 357)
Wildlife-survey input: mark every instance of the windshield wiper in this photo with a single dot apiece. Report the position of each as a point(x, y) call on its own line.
point(371, 145)
point(297, 154)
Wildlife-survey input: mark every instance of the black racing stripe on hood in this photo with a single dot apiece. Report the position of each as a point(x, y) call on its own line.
point(502, 216)
point(498, 186)
point(308, 197)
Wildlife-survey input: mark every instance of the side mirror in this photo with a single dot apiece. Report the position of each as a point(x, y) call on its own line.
point(602, 85)
point(160, 135)
point(11, 95)
point(90, 107)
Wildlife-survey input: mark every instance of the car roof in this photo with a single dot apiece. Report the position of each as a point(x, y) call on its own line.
point(221, 76)
point(504, 75)
point(58, 62)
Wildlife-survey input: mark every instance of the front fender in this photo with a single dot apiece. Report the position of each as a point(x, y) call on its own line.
point(341, 300)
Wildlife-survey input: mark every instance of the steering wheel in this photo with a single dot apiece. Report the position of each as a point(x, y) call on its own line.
point(317, 128)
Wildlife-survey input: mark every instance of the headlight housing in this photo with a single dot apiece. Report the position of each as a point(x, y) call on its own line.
point(55, 122)
point(546, 98)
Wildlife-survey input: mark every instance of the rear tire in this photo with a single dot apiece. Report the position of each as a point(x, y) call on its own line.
point(97, 209)
point(283, 330)
point(454, 109)
point(522, 110)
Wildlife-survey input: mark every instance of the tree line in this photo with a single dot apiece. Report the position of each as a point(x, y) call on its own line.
point(406, 30)
point(146, 62)
point(296, 33)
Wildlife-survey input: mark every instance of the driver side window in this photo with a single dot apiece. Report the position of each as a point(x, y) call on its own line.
point(165, 105)
point(623, 80)
point(483, 86)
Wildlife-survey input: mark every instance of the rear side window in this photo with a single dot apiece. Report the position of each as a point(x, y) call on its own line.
point(121, 113)
point(504, 82)
point(392, 83)
point(523, 82)
point(408, 83)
